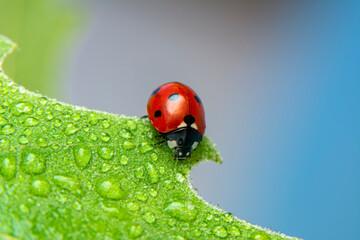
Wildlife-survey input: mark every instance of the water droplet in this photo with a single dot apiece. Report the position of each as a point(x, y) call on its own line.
point(124, 159)
point(181, 211)
point(161, 170)
point(32, 164)
point(105, 123)
point(8, 129)
point(21, 108)
point(61, 198)
point(179, 238)
point(154, 156)
point(125, 134)
point(40, 188)
point(105, 167)
point(68, 183)
point(259, 235)
point(76, 205)
point(23, 140)
point(227, 217)
point(131, 124)
point(128, 145)
point(197, 232)
point(139, 172)
point(145, 147)
point(154, 178)
point(39, 111)
point(93, 137)
point(43, 100)
point(110, 189)
point(105, 137)
point(149, 217)
point(54, 146)
point(71, 129)
point(220, 231)
point(234, 231)
point(3, 120)
point(106, 153)
point(24, 209)
point(153, 192)
point(140, 196)
point(49, 116)
point(4, 142)
point(82, 155)
point(27, 131)
point(93, 120)
point(136, 231)
point(8, 166)
point(75, 117)
point(41, 142)
point(179, 177)
point(169, 184)
point(58, 123)
point(133, 206)
point(31, 121)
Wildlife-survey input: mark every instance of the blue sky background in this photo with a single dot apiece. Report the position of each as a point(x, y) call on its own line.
point(280, 82)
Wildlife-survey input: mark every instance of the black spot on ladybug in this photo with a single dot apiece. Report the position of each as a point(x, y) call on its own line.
point(174, 97)
point(157, 113)
point(189, 119)
point(197, 99)
point(155, 91)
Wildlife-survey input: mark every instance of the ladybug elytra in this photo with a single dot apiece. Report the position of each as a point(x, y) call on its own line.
point(176, 111)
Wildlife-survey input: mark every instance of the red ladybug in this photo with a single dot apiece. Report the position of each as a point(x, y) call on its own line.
point(176, 111)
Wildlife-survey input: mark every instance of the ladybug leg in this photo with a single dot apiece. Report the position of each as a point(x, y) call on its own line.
point(145, 116)
point(158, 143)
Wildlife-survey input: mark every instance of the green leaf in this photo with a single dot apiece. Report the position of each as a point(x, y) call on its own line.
point(72, 173)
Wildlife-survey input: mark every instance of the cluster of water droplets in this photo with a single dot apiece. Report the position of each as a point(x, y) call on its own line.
point(76, 157)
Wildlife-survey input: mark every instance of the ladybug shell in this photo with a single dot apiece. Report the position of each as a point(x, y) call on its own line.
point(175, 105)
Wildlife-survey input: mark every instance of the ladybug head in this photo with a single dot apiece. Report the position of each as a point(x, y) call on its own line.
point(183, 141)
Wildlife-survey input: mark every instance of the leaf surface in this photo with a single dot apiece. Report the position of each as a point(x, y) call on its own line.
point(67, 172)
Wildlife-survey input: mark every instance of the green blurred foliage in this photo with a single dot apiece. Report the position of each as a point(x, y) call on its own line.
point(42, 30)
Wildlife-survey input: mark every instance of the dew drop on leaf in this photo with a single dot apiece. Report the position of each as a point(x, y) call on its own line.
point(234, 230)
point(140, 196)
point(124, 159)
point(105, 137)
point(31, 121)
point(105, 167)
point(153, 192)
point(135, 231)
point(145, 147)
point(23, 140)
point(71, 129)
point(105, 123)
point(125, 134)
point(21, 108)
point(149, 217)
point(8, 129)
point(133, 206)
point(40, 188)
point(181, 211)
point(32, 163)
point(259, 235)
point(220, 231)
point(41, 142)
point(139, 172)
point(8, 166)
point(110, 189)
point(128, 145)
point(4, 142)
point(3, 120)
point(106, 153)
point(153, 176)
point(68, 183)
point(82, 156)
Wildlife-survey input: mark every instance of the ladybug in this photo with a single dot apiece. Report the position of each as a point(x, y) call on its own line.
point(177, 112)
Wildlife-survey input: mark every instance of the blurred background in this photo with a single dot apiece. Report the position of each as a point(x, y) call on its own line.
point(280, 82)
